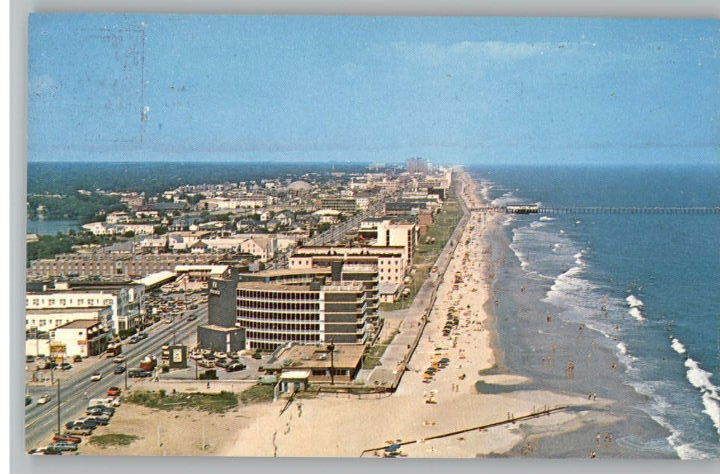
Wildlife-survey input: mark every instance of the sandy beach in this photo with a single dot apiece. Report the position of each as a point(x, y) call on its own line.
point(470, 391)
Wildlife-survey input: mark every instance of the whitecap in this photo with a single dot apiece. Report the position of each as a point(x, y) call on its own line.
point(700, 379)
point(635, 313)
point(678, 346)
point(634, 302)
point(546, 218)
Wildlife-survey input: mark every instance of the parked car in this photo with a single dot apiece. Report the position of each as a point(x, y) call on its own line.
point(50, 450)
point(29, 359)
point(223, 363)
point(28, 400)
point(69, 439)
point(101, 420)
point(142, 335)
point(44, 399)
point(119, 369)
point(139, 373)
point(63, 446)
point(113, 391)
point(79, 430)
point(65, 366)
point(133, 340)
point(96, 376)
point(234, 367)
point(77, 358)
point(257, 355)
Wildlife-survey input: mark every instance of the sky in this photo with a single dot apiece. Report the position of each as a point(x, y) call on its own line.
point(373, 89)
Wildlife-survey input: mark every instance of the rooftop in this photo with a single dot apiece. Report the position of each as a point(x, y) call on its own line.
point(79, 324)
point(309, 356)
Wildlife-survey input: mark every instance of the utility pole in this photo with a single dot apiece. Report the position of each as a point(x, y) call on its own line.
point(126, 375)
point(331, 348)
point(58, 407)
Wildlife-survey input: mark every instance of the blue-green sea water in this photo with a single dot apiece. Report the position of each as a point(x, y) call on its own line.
point(646, 286)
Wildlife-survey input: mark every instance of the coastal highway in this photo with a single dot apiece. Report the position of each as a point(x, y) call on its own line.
point(41, 420)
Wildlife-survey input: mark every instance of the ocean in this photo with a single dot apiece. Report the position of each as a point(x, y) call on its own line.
point(632, 301)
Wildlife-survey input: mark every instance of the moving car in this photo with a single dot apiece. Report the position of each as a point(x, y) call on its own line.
point(96, 376)
point(119, 369)
point(44, 399)
point(120, 359)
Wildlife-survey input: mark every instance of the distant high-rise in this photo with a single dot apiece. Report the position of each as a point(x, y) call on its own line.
point(417, 165)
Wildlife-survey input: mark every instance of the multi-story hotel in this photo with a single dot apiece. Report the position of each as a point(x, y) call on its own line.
point(307, 305)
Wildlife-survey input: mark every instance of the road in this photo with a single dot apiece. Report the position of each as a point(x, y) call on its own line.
point(336, 232)
point(41, 420)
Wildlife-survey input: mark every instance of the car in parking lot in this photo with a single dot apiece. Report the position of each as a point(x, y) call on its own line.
point(78, 431)
point(113, 391)
point(235, 366)
point(139, 373)
point(96, 376)
point(67, 438)
point(63, 446)
point(65, 366)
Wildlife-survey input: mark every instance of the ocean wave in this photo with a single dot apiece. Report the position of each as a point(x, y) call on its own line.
point(536, 224)
point(546, 218)
point(677, 346)
point(700, 379)
point(635, 313)
point(578, 259)
point(634, 302)
point(635, 305)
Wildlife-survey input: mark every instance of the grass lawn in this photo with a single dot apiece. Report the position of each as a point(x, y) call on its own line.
point(209, 402)
point(113, 439)
point(372, 358)
point(257, 394)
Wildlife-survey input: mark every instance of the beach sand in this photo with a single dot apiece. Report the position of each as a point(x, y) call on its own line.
point(348, 425)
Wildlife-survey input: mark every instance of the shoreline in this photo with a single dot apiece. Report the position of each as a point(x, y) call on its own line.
point(449, 402)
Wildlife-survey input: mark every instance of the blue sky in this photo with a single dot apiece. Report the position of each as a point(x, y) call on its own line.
point(472, 90)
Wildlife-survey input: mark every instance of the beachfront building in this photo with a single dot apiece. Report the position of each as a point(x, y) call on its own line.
point(317, 363)
point(309, 305)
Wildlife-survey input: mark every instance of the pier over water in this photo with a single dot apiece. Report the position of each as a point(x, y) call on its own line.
point(535, 209)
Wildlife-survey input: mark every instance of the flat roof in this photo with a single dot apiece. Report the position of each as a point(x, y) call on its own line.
point(295, 374)
point(79, 324)
point(83, 310)
point(311, 356)
point(156, 278)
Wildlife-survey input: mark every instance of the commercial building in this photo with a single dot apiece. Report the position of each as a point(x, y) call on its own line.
point(64, 302)
point(318, 363)
point(84, 337)
point(339, 204)
point(391, 262)
point(221, 333)
point(309, 305)
point(117, 266)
